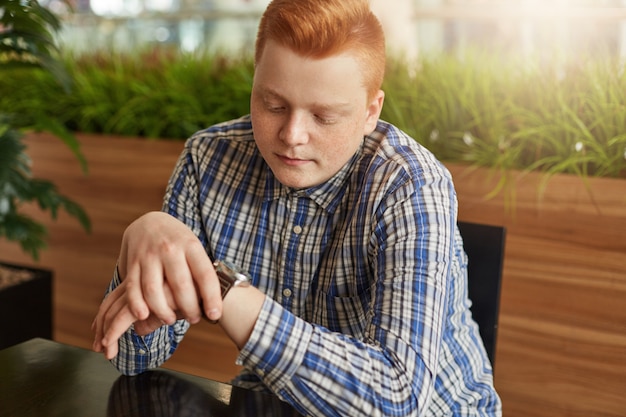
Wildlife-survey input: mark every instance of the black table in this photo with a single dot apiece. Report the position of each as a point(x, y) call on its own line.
point(44, 378)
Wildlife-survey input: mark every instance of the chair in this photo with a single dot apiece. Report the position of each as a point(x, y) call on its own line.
point(484, 245)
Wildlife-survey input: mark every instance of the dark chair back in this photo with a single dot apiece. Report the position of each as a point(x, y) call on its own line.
point(484, 245)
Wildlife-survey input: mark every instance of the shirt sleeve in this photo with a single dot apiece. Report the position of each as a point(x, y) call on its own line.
point(391, 371)
point(140, 353)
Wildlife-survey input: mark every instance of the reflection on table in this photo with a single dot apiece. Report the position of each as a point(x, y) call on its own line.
point(163, 394)
point(45, 378)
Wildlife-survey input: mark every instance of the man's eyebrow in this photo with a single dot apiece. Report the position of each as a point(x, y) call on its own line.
point(338, 106)
point(269, 92)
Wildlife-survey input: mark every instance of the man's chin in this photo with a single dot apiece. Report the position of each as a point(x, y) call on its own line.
point(296, 180)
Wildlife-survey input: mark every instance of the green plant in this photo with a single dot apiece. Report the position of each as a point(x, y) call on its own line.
point(492, 110)
point(155, 93)
point(509, 113)
point(27, 47)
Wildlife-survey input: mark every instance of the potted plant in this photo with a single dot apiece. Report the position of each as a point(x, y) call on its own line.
point(27, 44)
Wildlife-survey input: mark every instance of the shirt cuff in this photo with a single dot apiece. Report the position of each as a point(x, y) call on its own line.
point(277, 345)
point(140, 353)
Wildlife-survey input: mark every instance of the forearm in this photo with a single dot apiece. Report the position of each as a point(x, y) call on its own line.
point(327, 373)
point(341, 376)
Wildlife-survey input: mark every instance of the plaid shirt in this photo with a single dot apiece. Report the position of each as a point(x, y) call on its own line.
point(366, 311)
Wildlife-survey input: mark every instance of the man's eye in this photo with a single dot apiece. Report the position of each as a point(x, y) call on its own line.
point(324, 119)
point(275, 109)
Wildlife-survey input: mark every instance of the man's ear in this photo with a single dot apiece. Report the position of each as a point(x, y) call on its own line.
point(372, 113)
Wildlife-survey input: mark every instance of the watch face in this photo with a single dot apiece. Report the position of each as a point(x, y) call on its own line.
point(230, 276)
point(232, 271)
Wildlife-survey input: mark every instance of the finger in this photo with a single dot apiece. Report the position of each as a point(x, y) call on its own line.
point(207, 283)
point(98, 322)
point(96, 330)
point(119, 319)
point(152, 323)
point(132, 286)
point(147, 326)
point(182, 290)
point(152, 288)
point(111, 350)
point(102, 342)
point(135, 263)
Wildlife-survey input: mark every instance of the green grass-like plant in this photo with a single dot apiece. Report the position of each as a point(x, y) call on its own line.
point(480, 108)
point(508, 113)
point(156, 93)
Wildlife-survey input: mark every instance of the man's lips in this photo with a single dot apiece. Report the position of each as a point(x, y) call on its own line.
point(292, 161)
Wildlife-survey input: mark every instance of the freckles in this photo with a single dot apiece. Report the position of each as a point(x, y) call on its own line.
point(262, 130)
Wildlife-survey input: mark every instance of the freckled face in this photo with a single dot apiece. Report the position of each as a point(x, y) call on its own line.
point(309, 115)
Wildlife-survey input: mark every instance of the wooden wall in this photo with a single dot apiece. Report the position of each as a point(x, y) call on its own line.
point(562, 341)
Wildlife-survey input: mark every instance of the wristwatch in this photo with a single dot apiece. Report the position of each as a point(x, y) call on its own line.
point(230, 276)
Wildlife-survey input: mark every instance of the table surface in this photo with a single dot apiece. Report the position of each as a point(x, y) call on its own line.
point(45, 378)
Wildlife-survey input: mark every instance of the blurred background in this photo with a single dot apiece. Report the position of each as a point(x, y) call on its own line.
point(413, 27)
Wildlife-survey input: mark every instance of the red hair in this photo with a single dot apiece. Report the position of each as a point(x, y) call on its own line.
point(322, 28)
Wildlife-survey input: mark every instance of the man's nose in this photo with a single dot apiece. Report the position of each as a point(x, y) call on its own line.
point(294, 131)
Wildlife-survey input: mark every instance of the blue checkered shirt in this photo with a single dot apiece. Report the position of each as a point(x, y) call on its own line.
point(367, 312)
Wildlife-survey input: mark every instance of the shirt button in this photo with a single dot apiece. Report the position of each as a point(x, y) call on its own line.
point(142, 352)
point(260, 372)
point(297, 229)
point(287, 292)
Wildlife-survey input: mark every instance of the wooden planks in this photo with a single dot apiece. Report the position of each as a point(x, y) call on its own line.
point(562, 340)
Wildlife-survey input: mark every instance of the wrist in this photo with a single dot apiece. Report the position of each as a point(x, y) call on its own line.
point(240, 311)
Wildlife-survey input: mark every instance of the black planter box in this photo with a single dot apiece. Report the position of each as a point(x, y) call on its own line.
point(25, 304)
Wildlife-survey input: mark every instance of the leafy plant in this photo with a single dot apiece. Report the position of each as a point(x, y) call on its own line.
point(27, 47)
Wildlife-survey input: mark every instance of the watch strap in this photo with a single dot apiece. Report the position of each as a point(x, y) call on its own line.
point(225, 284)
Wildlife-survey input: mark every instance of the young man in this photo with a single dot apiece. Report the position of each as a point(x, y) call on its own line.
point(347, 227)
